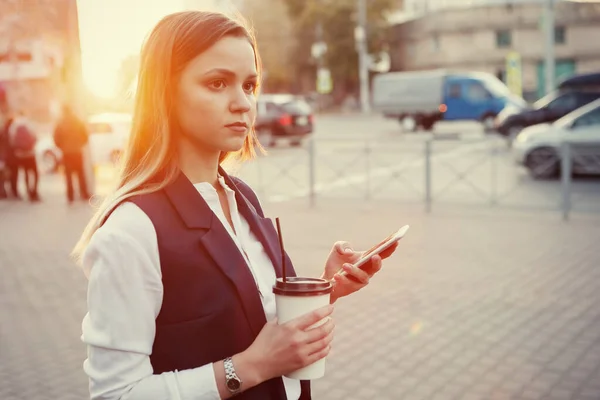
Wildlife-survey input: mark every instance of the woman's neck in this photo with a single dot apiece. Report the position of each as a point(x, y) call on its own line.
point(198, 164)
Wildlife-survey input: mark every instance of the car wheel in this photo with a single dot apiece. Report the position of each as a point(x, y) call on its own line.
point(49, 162)
point(543, 163)
point(428, 124)
point(296, 143)
point(488, 123)
point(408, 124)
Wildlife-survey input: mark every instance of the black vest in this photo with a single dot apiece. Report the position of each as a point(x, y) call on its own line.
point(211, 307)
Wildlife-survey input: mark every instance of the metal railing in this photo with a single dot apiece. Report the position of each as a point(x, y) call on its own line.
point(427, 170)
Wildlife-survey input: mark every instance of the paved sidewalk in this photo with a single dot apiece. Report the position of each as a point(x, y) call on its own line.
point(476, 304)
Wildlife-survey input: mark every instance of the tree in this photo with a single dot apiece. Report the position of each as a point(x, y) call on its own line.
point(272, 26)
point(338, 19)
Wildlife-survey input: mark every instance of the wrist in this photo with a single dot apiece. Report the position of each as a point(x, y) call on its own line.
point(248, 369)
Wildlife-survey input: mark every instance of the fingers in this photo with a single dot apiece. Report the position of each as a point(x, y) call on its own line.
point(375, 265)
point(389, 251)
point(303, 322)
point(318, 333)
point(319, 345)
point(314, 357)
point(343, 248)
point(357, 273)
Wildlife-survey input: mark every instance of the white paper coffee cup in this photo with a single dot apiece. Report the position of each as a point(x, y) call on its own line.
point(296, 297)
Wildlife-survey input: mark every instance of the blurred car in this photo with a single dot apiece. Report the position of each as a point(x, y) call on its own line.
point(511, 120)
point(283, 116)
point(108, 136)
point(538, 147)
point(587, 81)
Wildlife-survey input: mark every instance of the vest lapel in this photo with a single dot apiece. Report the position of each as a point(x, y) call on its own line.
point(196, 214)
point(263, 228)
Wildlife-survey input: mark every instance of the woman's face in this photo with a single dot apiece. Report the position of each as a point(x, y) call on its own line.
point(215, 97)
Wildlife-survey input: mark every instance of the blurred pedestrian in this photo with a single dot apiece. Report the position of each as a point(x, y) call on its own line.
point(22, 141)
point(180, 258)
point(71, 137)
point(4, 154)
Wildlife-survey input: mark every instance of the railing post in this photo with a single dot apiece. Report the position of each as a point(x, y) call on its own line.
point(311, 171)
point(565, 171)
point(368, 170)
point(428, 175)
point(494, 171)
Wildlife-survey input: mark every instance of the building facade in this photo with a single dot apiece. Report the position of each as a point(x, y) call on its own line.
point(40, 56)
point(482, 37)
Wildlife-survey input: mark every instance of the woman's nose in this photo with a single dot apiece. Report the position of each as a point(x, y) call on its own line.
point(240, 101)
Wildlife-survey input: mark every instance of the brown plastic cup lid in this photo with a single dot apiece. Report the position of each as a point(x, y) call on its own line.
point(298, 286)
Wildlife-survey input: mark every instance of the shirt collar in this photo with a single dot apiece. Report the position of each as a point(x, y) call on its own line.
point(206, 188)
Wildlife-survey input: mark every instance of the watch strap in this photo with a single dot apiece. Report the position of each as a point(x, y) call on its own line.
point(231, 377)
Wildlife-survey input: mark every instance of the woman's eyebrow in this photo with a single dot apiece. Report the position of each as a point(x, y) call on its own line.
point(228, 73)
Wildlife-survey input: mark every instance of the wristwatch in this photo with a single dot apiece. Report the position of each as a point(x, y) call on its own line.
point(232, 381)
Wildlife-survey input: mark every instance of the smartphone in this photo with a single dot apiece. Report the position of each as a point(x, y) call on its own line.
point(379, 247)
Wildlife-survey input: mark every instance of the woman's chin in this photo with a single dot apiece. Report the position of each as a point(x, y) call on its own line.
point(234, 145)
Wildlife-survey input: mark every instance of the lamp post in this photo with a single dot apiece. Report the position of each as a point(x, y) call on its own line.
point(360, 35)
point(549, 42)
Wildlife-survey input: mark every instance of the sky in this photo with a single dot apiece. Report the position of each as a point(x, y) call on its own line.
point(110, 30)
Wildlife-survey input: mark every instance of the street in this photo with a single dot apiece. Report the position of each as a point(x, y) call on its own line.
point(478, 303)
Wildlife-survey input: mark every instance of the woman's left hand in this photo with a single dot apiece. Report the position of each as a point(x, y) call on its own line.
point(342, 256)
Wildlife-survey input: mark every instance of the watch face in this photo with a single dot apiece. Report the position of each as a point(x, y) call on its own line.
point(233, 384)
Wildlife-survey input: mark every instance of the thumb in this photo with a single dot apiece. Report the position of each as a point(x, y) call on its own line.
point(343, 248)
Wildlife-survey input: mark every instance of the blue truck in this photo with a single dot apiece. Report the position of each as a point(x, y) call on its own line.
point(419, 99)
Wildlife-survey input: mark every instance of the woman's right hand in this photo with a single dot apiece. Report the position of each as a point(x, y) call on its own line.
point(281, 349)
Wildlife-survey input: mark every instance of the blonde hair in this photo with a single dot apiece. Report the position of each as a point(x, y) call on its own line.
point(150, 161)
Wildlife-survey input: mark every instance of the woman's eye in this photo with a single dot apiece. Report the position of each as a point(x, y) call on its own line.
point(250, 87)
point(218, 84)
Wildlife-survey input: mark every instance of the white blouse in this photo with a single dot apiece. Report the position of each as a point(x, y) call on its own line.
point(124, 298)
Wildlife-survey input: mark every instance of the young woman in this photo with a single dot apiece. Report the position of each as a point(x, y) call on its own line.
point(180, 258)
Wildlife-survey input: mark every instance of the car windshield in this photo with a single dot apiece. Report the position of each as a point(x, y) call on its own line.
point(568, 119)
point(496, 87)
point(544, 101)
point(296, 107)
point(499, 90)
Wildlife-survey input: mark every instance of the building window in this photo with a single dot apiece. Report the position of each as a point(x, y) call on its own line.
point(560, 35)
point(503, 38)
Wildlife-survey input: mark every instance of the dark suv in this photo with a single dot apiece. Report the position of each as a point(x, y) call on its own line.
point(547, 109)
point(282, 116)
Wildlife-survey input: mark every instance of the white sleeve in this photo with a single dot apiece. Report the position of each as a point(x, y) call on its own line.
point(124, 298)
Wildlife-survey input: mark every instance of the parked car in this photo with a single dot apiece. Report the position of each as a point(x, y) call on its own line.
point(580, 82)
point(283, 116)
point(538, 147)
point(421, 98)
point(550, 108)
point(108, 135)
